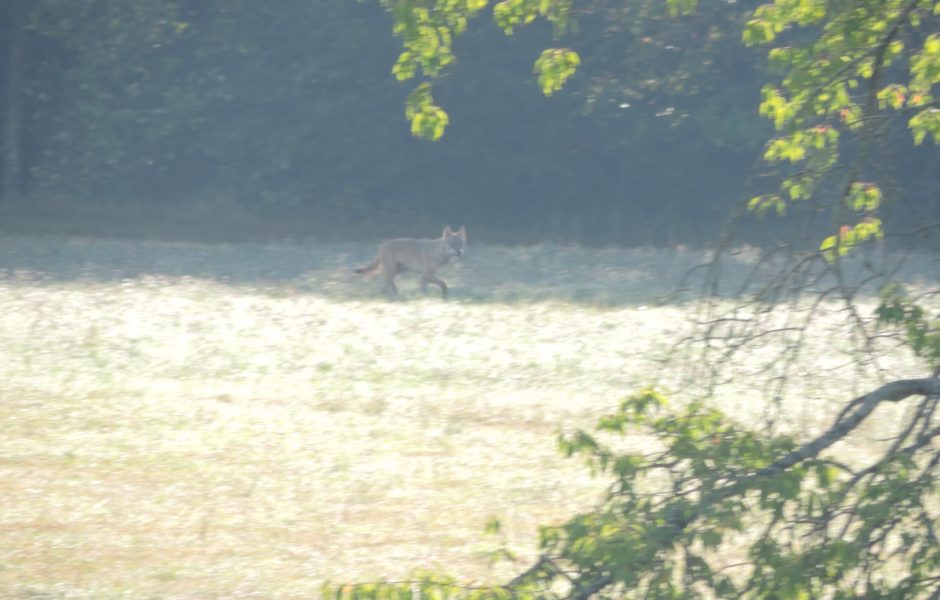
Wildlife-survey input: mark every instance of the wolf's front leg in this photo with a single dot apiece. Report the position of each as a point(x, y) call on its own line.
point(427, 278)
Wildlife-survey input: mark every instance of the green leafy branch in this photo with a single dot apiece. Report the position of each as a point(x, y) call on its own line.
point(509, 14)
point(861, 198)
point(715, 481)
point(427, 119)
point(923, 332)
point(428, 28)
point(554, 67)
point(823, 529)
point(834, 85)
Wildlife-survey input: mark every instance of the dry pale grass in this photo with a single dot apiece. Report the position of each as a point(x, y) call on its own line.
point(196, 421)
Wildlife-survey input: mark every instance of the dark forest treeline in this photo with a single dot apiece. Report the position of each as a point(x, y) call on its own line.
point(288, 110)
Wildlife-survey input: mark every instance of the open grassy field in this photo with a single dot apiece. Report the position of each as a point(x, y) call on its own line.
point(224, 421)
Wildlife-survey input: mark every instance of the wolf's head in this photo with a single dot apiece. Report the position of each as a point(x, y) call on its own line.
point(455, 241)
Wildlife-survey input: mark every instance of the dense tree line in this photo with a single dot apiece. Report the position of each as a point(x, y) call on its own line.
point(291, 108)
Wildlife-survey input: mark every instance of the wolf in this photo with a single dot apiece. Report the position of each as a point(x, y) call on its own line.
point(423, 256)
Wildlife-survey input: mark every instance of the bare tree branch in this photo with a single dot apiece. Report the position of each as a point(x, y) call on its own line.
point(894, 391)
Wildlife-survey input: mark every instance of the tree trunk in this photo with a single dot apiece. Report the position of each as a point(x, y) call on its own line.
point(12, 102)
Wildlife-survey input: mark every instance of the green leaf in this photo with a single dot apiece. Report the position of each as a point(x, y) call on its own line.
point(924, 123)
point(825, 474)
point(681, 7)
point(726, 589)
point(405, 67)
point(864, 197)
point(712, 538)
point(829, 247)
point(761, 204)
point(758, 31)
point(493, 526)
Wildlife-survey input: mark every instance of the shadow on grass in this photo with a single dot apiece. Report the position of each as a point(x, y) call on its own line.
point(545, 273)
point(602, 277)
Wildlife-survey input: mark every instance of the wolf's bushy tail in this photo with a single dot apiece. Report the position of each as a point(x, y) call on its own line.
point(368, 269)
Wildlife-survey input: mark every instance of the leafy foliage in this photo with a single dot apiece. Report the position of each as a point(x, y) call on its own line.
point(554, 67)
point(862, 198)
point(841, 80)
point(510, 14)
point(428, 28)
point(923, 332)
point(427, 120)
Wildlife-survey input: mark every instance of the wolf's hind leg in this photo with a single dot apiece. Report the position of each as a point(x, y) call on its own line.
point(390, 270)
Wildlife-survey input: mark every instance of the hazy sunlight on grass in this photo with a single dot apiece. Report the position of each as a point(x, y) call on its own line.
point(227, 421)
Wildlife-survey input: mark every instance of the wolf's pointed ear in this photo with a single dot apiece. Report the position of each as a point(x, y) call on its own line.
point(463, 232)
point(447, 231)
